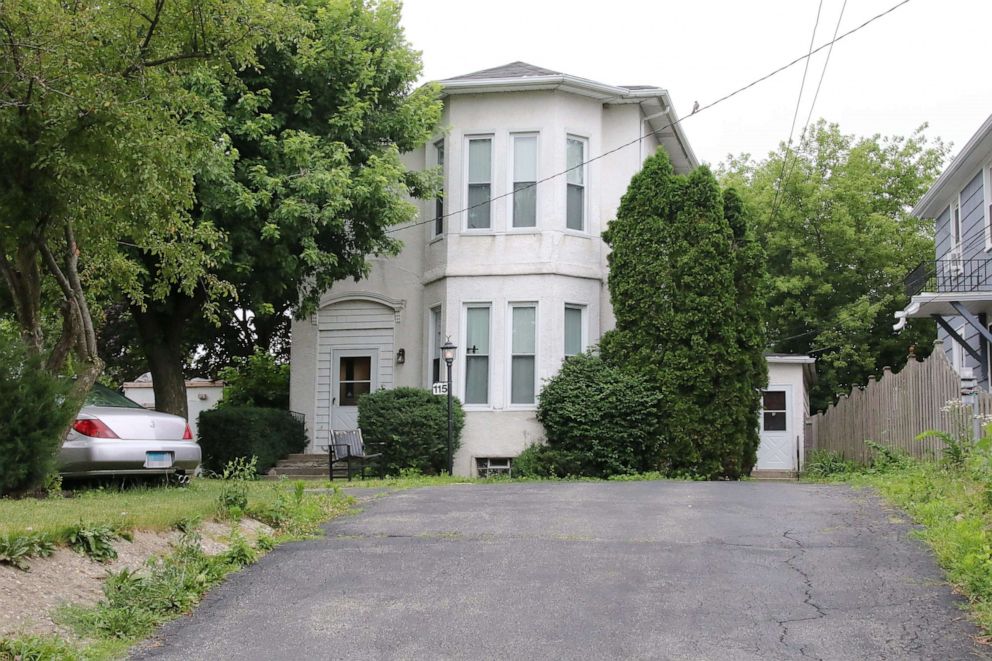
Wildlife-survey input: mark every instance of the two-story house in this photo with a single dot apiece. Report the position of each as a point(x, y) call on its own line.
point(508, 263)
point(956, 288)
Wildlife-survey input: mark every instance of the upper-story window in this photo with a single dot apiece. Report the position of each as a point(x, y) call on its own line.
point(480, 178)
point(956, 223)
point(987, 190)
point(439, 201)
point(575, 204)
point(524, 180)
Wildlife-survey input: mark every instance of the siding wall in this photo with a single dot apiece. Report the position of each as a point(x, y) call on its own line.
point(972, 198)
point(350, 325)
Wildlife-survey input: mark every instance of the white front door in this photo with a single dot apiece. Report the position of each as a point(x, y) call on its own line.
point(354, 373)
point(777, 450)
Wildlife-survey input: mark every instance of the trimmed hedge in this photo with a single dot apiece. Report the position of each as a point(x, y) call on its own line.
point(412, 426)
point(35, 410)
point(243, 431)
point(599, 421)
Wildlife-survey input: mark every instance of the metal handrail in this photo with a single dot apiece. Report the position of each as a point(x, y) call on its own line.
point(950, 275)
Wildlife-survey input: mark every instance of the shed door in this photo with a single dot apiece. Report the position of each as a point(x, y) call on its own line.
point(777, 450)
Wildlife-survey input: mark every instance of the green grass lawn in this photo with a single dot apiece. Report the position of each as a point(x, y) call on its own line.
point(151, 508)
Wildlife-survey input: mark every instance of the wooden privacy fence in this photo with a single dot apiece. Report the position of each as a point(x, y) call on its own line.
point(895, 409)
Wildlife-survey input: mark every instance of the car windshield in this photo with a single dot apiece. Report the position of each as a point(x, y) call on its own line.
point(104, 396)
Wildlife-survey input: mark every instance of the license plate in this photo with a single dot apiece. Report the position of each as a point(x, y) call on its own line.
point(158, 460)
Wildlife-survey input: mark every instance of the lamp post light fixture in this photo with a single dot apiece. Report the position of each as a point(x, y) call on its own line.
point(448, 351)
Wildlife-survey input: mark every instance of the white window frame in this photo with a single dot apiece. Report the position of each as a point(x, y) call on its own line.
point(433, 326)
point(511, 180)
point(465, 355)
point(585, 184)
point(987, 194)
point(492, 180)
point(508, 376)
point(956, 222)
point(439, 202)
point(583, 333)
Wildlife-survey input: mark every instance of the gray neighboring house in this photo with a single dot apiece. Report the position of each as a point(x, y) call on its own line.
point(955, 288)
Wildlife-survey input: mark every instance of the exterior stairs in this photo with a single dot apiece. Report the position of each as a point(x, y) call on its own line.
point(300, 467)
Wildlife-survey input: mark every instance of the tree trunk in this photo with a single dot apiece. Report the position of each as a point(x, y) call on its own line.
point(160, 328)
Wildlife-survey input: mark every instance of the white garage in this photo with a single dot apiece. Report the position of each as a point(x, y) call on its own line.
point(784, 412)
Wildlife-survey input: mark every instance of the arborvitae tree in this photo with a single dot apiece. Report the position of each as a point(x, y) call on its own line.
point(750, 371)
point(673, 283)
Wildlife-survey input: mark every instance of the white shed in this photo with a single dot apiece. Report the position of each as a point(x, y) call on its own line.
point(784, 413)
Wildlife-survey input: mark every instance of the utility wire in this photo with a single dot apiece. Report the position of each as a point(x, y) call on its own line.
point(795, 114)
point(635, 141)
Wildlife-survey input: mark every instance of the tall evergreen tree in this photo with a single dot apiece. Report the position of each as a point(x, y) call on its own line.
point(678, 258)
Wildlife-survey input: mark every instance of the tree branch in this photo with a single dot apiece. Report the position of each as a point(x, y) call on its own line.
point(159, 5)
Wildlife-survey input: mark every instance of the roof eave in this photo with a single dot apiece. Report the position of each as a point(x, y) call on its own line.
point(562, 81)
point(971, 156)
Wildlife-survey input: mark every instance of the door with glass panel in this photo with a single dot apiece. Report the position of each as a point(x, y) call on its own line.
point(355, 374)
point(777, 450)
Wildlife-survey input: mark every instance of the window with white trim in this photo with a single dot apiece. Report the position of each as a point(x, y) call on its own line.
point(575, 202)
point(480, 182)
point(439, 200)
point(524, 180)
point(956, 224)
point(574, 327)
point(957, 351)
point(477, 354)
point(436, 335)
point(523, 353)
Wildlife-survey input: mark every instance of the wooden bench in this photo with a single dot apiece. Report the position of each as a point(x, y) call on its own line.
point(348, 448)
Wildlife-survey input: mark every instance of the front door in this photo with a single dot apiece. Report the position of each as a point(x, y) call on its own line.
point(777, 450)
point(355, 373)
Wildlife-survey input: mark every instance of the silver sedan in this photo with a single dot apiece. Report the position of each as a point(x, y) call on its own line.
point(113, 435)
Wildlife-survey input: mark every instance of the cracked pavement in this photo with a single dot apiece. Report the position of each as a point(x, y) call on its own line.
point(618, 570)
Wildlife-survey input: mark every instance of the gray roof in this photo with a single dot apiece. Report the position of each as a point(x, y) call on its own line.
point(511, 70)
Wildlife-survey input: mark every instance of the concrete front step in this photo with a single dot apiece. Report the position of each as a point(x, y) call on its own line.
point(276, 477)
point(299, 470)
point(320, 456)
point(758, 474)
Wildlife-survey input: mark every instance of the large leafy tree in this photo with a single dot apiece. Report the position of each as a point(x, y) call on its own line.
point(684, 282)
point(99, 139)
point(835, 222)
point(311, 185)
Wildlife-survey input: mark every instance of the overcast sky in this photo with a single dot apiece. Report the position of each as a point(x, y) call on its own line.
point(928, 61)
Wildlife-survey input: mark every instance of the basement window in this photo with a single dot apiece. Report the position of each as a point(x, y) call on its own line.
point(493, 466)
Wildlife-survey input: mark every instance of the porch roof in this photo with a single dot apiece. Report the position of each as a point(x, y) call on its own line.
point(928, 304)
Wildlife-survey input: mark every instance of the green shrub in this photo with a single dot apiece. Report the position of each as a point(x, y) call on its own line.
point(256, 381)
point(234, 432)
point(411, 424)
point(544, 461)
point(96, 541)
point(885, 458)
point(233, 498)
point(35, 410)
point(824, 463)
point(599, 420)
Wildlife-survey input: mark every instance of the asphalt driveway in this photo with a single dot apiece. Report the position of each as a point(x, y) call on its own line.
point(659, 570)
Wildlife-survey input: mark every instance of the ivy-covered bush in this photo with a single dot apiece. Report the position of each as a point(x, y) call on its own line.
point(411, 424)
point(599, 421)
point(240, 432)
point(35, 410)
point(258, 380)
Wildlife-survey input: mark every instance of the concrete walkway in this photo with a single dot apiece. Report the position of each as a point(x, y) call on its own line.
point(636, 570)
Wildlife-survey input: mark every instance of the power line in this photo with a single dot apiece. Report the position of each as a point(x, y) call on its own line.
point(795, 114)
point(638, 140)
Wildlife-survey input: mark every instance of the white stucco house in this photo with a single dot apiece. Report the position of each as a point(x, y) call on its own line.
point(513, 273)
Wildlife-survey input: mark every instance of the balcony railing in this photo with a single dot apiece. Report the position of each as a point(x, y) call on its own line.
point(950, 275)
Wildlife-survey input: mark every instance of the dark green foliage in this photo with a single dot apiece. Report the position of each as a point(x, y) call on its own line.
point(256, 381)
point(244, 431)
point(685, 280)
point(599, 420)
point(411, 424)
point(35, 410)
point(544, 461)
point(824, 463)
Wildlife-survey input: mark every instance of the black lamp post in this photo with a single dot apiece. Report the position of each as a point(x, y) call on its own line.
point(448, 353)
